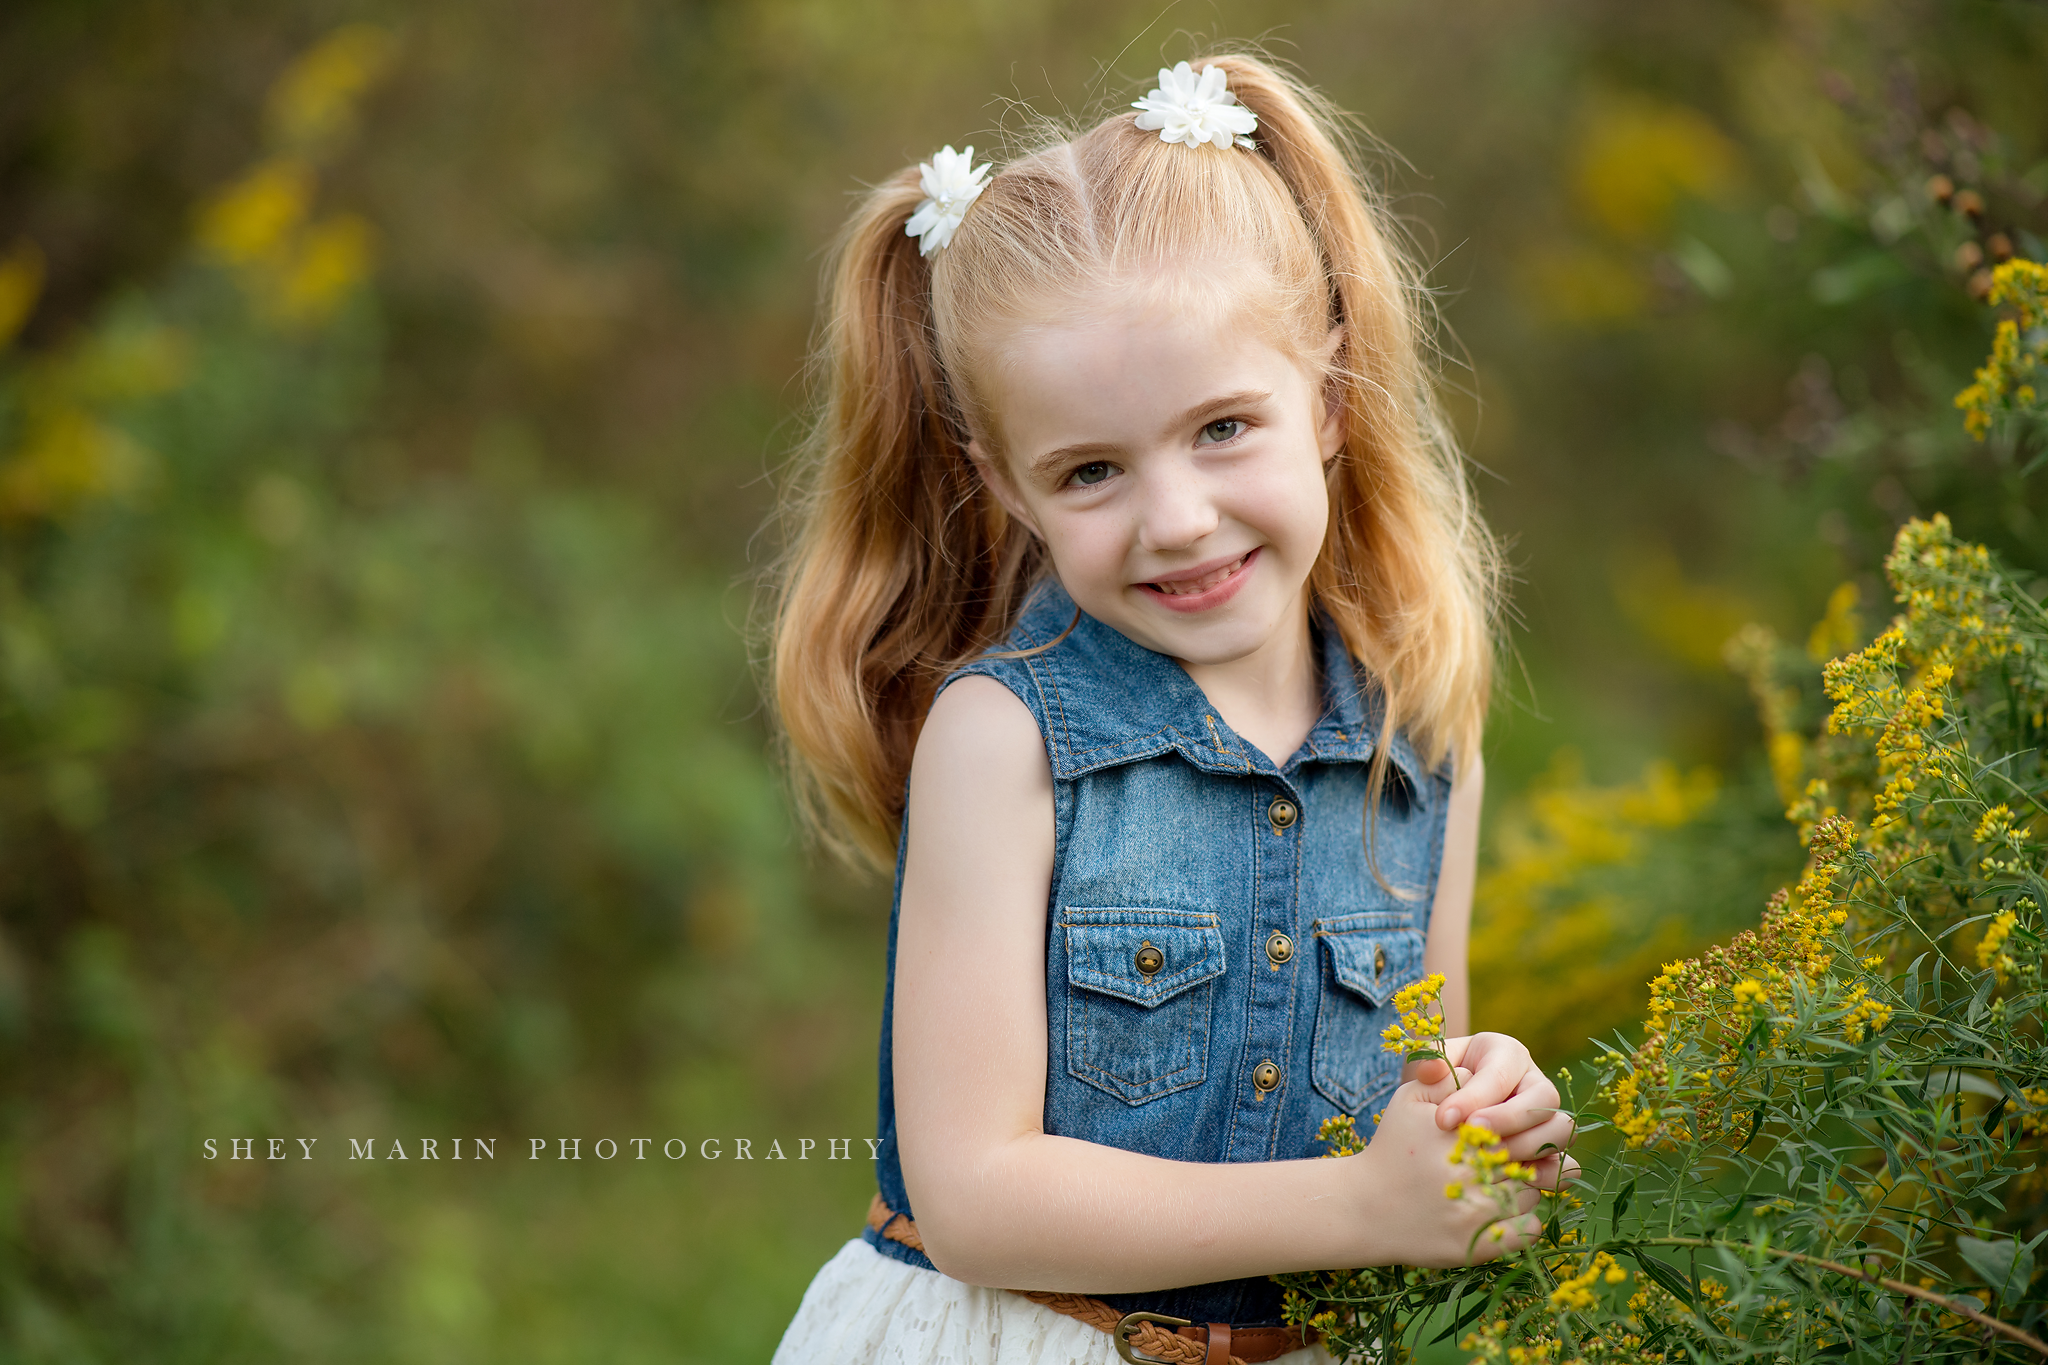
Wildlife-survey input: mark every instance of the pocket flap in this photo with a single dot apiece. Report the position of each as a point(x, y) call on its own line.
point(1373, 962)
point(1108, 950)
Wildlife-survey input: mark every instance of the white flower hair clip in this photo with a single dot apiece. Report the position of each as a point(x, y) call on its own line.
point(1196, 109)
point(950, 181)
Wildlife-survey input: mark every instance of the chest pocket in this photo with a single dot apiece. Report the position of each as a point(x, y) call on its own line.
point(1366, 959)
point(1141, 986)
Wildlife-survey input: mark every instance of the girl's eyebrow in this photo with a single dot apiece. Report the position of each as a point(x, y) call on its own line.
point(1051, 460)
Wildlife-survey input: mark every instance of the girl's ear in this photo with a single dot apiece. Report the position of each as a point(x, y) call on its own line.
point(1330, 435)
point(998, 483)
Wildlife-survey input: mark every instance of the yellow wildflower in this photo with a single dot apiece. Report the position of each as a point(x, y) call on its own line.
point(2007, 380)
point(1420, 1032)
point(1994, 938)
point(1576, 1292)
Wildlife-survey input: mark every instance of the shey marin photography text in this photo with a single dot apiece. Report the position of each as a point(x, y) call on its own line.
point(538, 1149)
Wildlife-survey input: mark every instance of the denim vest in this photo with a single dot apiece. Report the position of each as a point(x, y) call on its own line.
point(1219, 957)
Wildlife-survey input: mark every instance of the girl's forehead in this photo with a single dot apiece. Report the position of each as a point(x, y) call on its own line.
point(1120, 376)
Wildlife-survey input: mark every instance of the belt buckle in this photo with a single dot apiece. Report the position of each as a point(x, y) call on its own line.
point(1128, 1324)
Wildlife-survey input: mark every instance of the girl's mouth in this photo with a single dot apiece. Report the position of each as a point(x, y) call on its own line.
point(1200, 591)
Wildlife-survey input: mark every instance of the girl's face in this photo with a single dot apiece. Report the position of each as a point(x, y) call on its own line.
point(1173, 466)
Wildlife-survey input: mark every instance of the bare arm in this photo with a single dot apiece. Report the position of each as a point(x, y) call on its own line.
point(1503, 1087)
point(1450, 918)
point(1001, 1202)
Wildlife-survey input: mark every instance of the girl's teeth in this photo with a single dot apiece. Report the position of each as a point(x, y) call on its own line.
point(1188, 587)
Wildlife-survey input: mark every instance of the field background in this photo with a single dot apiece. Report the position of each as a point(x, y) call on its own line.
point(392, 401)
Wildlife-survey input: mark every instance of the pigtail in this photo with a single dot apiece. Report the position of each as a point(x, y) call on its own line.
point(1409, 572)
point(902, 565)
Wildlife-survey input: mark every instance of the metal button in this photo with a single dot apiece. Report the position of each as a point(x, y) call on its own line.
point(1282, 813)
point(1149, 959)
point(1279, 947)
point(1379, 961)
point(1266, 1077)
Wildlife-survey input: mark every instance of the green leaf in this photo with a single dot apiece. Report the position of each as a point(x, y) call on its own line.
point(1621, 1201)
point(1464, 1320)
point(1999, 1263)
point(1664, 1275)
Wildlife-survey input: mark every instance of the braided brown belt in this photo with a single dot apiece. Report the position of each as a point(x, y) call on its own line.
point(1213, 1344)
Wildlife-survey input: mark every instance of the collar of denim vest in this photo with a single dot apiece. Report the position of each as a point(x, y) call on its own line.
point(1110, 700)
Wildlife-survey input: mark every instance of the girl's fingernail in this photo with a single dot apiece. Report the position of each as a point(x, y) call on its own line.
point(1453, 1115)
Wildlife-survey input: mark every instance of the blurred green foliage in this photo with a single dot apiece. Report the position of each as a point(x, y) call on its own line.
point(393, 399)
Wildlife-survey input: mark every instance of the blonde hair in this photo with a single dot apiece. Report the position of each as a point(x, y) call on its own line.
point(904, 566)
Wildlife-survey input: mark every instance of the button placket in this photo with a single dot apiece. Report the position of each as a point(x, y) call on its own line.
point(1277, 820)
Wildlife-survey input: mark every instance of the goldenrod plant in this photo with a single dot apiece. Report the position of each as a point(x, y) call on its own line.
point(1828, 1140)
point(2011, 383)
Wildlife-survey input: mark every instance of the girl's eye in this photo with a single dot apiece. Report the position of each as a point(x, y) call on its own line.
point(1093, 472)
point(1218, 432)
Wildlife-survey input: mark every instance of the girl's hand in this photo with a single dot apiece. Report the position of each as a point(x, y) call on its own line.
point(1507, 1092)
point(1406, 1171)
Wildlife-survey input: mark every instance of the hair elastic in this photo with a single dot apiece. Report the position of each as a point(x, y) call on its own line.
point(950, 181)
point(1196, 109)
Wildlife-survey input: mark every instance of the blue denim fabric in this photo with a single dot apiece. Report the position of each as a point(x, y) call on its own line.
point(1164, 838)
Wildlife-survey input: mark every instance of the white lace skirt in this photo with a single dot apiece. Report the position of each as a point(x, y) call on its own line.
point(865, 1308)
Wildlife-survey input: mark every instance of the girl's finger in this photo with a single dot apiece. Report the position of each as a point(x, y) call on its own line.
point(1428, 1072)
point(1534, 1101)
point(1499, 1064)
point(1554, 1132)
point(1441, 1089)
point(1553, 1172)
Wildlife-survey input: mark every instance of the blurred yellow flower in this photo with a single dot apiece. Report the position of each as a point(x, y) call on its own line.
point(296, 269)
point(255, 217)
point(68, 452)
point(1691, 621)
point(1638, 157)
point(314, 101)
point(334, 257)
point(1550, 960)
point(1840, 628)
point(69, 457)
point(1584, 284)
point(125, 363)
point(21, 283)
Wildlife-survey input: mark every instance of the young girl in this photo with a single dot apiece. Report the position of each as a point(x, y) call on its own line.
point(1142, 613)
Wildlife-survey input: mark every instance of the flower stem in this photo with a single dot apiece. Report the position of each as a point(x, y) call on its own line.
point(1941, 1301)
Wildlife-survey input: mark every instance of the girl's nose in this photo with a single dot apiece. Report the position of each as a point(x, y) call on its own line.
point(1177, 513)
